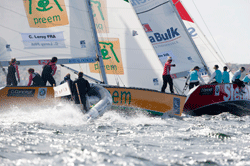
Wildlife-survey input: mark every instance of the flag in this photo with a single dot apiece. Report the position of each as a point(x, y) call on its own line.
point(62, 90)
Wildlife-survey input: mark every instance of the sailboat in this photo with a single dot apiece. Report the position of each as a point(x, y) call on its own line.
point(215, 99)
point(172, 32)
point(116, 52)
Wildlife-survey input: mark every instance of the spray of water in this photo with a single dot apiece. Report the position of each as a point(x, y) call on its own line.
point(65, 114)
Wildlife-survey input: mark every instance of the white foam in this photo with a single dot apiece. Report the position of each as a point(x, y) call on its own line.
point(66, 114)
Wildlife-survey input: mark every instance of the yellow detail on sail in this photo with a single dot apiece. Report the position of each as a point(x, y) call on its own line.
point(46, 13)
point(112, 58)
point(100, 15)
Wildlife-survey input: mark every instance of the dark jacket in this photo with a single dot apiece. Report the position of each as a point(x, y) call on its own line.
point(83, 87)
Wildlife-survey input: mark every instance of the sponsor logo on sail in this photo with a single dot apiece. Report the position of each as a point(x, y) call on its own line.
point(111, 55)
point(83, 44)
point(134, 33)
point(190, 59)
point(8, 47)
point(99, 8)
point(147, 28)
point(46, 13)
point(192, 31)
point(155, 81)
point(171, 33)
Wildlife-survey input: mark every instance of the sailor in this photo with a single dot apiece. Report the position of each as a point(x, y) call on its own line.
point(35, 77)
point(82, 87)
point(225, 75)
point(166, 76)
point(194, 75)
point(70, 83)
point(246, 79)
point(217, 75)
point(49, 70)
point(236, 79)
point(11, 76)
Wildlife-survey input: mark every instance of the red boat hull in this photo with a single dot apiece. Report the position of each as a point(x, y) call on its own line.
point(214, 99)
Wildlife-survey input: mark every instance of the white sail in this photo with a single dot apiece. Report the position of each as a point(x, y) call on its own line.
point(129, 58)
point(168, 35)
point(33, 31)
point(207, 51)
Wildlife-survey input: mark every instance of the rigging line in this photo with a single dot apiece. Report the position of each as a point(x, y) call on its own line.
point(152, 8)
point(10, 29)
point(12, 11)
point(209, 31)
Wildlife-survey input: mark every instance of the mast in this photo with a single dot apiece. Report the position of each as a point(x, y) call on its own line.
point(99, 54)
point(190, 38)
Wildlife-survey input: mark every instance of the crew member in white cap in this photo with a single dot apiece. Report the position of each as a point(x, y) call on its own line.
point(236, 79)
point(193, 76)
point(166, 76)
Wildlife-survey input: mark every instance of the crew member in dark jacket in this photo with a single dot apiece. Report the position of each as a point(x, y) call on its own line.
point(83, 87)
point(49, 70)
point(11, 76)
point(35, 77)
point(70, 82)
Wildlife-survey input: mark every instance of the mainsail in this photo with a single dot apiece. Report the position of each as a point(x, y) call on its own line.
point(33, 31)
point(129, 58)
point(207, 51)
point(168, 35)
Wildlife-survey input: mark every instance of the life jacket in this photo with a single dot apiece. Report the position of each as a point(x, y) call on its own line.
point(47, 69)
point(167, 68)
point(218, 76)
point(246, 79)
point(225, 77)
point(37, 79)
point(11, 70)
point(193, 76)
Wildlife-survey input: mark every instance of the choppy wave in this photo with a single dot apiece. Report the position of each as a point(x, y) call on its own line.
point(60, 136)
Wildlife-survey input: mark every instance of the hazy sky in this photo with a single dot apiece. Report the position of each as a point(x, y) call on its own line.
point(229, 23)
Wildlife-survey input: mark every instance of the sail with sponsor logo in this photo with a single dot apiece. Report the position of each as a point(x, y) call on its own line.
point(169, 36)
point(158, 17)
point(33, 31)
point(129, 58)
point(209, 54)
point(71, 31)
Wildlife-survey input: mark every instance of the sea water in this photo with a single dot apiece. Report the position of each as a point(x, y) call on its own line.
point(60, 136)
